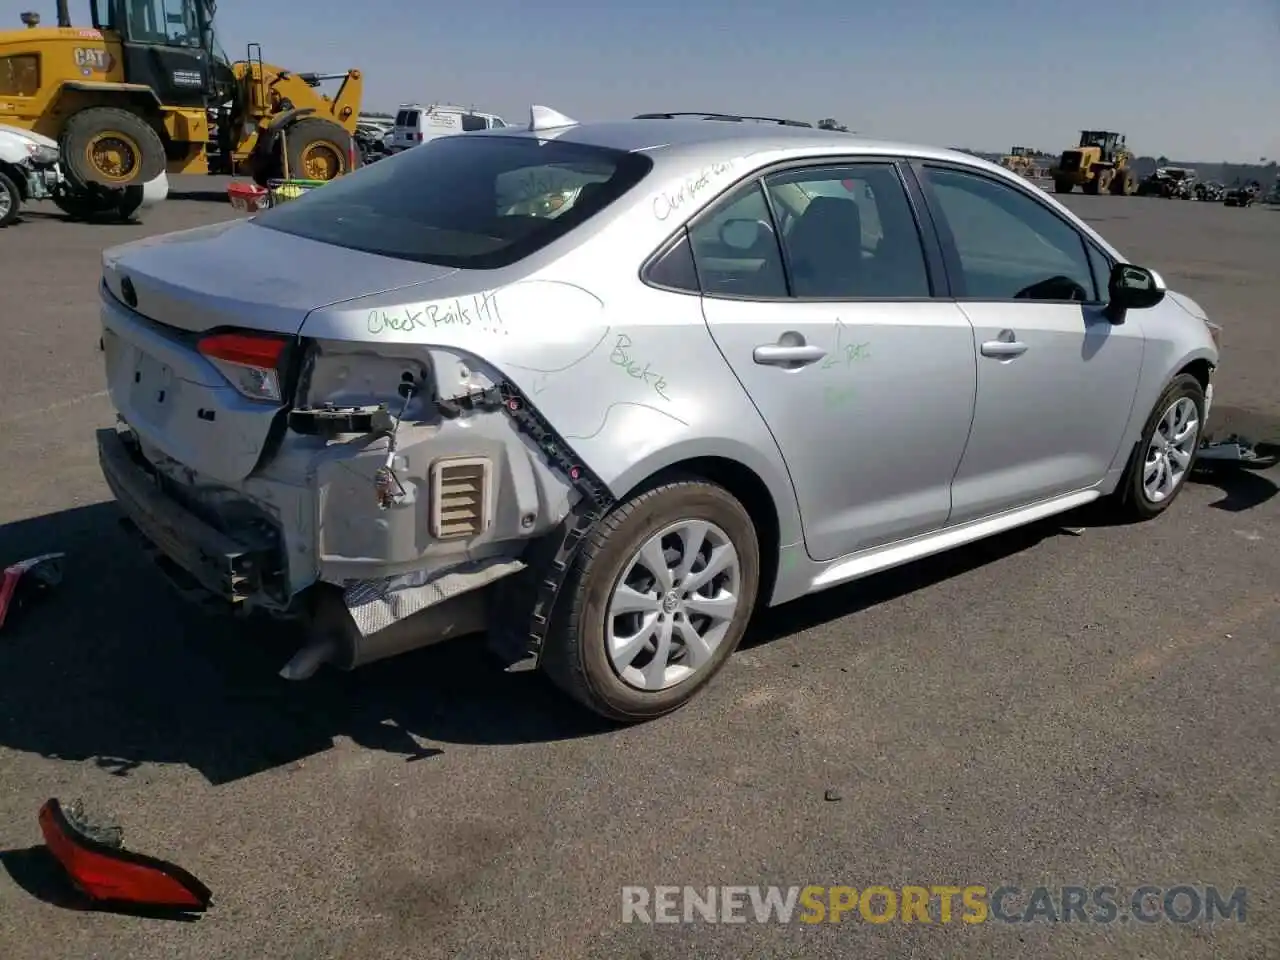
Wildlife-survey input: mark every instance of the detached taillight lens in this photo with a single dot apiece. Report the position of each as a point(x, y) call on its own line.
point(111, 875)
point(250, 362)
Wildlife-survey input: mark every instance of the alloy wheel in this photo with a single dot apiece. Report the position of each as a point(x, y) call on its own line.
point(673, 604)
point(1172, 447)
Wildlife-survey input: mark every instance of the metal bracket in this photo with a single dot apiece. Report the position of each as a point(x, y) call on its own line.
point(536, 589)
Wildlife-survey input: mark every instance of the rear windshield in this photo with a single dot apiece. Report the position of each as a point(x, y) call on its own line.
point(407, 118)
point(471, 202)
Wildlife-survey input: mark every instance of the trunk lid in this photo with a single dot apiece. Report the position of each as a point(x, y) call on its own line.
point(159, 295)
point(237, 274)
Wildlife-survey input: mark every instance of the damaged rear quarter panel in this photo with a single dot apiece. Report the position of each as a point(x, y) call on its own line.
point(628, 375)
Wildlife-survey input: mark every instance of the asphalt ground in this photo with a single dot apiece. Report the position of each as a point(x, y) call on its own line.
point(1049, 708)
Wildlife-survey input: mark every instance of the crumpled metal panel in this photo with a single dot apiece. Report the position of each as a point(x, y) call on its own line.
point(377, 604)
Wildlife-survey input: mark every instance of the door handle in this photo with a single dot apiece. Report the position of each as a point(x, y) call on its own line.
point(778, 354)
point(1003, 349)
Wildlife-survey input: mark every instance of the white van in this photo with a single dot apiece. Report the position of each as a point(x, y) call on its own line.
point(416, 124)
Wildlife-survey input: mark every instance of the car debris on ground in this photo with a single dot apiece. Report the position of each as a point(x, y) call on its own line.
point(26, 581)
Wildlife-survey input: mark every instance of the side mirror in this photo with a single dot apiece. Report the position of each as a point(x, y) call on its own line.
point(1132, 288)
point(741, 234)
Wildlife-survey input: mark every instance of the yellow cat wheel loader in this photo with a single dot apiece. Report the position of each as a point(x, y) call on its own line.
point(146, 89)
point(1019, 161)
point(1100, 163)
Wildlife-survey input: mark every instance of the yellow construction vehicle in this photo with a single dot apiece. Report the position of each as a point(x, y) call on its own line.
point(1100, 163)
point(1019, 160)
point(146, 89)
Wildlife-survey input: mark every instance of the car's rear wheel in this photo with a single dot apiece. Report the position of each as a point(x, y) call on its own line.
point(1167, 451)
point(656, 601)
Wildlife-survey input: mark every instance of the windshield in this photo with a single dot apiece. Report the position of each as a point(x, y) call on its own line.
point(172, 23)
point(472, 202)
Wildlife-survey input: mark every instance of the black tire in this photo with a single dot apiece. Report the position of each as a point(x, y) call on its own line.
point(307, 139)
point(86, 203)
point(575, 656)
point(130, 202)
point(1063, 186)
point(10, 200)
point(131, 133)
point(1091, 187)
point(1131, 499)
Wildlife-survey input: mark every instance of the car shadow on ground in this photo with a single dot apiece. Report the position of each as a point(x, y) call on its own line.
point(115, 669)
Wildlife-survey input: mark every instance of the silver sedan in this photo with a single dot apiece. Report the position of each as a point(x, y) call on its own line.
point(603, 390)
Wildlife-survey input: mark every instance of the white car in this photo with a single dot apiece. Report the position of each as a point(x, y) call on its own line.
point(28, 170)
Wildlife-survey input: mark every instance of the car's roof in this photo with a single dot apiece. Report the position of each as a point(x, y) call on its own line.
point(693, 135)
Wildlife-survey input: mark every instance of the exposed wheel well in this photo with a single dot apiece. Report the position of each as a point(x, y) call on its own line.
point(1200, 369)
point(17, 176)
point(751, 492)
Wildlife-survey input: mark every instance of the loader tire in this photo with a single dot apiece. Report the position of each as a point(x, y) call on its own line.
point(1091, 187)
point(111, 147)
point(1062, 186)
point(317, 150)
point(1124, 184)
point(87, 203)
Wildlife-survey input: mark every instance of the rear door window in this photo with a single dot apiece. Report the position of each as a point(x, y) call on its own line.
point(735, 247)
point(849, 233)
point(470, 202)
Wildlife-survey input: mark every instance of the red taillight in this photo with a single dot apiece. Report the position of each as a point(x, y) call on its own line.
point(251, 362)
point(109, 875)
point(249, 349)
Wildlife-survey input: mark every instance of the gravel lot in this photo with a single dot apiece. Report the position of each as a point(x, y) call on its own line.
point(1043, 709)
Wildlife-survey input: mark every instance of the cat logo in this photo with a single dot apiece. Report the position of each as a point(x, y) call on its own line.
point(93, 60)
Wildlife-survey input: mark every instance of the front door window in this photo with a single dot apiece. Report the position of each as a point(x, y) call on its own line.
point(1010, 247)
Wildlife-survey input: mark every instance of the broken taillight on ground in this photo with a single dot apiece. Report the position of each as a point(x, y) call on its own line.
point(23, 581)
point(251, 362)
point(97, 863)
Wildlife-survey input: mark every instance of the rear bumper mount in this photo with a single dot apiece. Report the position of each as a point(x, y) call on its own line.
point(196, 557)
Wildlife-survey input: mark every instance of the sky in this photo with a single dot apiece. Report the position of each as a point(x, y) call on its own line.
point(1187, 79)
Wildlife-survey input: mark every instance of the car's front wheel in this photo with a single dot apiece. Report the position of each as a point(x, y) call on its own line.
point(657, 599)
point(1167, 451)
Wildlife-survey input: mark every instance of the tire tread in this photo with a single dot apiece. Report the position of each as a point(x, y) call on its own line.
point(562, 658)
